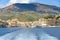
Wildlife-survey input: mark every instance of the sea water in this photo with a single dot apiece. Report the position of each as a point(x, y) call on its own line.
point(29, 34)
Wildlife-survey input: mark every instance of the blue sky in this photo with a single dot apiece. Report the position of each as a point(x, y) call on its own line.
point(4, 3)
point(50, 2)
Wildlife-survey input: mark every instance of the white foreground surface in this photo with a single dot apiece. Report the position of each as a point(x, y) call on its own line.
point(27, 34)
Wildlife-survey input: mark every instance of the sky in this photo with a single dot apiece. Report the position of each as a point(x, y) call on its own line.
point(4, 3)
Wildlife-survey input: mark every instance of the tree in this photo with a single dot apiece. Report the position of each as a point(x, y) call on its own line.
point(57, 17)
point(3, 24)
point(49, 16)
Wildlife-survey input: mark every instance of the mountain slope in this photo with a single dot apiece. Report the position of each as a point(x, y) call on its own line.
point(28, 12)
point(41, 8)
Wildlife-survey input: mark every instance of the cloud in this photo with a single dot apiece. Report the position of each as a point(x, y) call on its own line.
point(11, 2)
point(23, 1)
point(18, 1)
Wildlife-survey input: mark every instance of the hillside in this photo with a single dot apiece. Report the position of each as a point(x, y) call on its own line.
point(36, 7)
point(22, 16)
point(28, 12)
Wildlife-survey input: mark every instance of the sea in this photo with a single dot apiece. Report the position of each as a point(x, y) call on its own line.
point(20, 33)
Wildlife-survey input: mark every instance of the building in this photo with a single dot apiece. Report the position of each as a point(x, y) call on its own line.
point(47, 22)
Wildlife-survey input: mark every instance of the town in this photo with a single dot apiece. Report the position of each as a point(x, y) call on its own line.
point(42, 22)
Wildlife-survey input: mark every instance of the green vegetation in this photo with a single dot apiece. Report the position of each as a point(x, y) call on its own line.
point(49, 16)
point(22, 16)
point(57, 17)
point(25, 16)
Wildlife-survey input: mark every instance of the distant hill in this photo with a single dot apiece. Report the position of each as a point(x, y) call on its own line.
point(37, 7)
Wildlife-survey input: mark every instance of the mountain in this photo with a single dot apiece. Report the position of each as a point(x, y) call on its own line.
point(28, 12)
point(36, 7)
